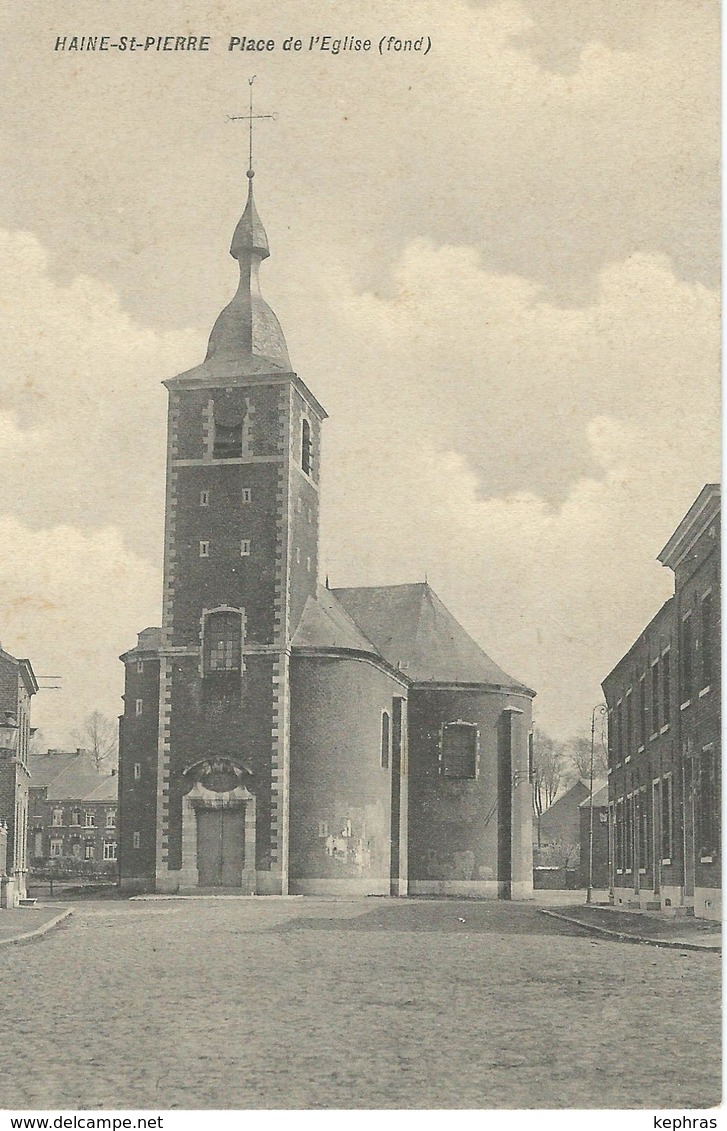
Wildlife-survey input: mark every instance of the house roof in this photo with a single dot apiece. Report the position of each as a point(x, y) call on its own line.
point(600, 797)
point(71, 776)
point(412, 630)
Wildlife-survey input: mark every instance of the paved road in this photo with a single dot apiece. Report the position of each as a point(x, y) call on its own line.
point(372, 1003)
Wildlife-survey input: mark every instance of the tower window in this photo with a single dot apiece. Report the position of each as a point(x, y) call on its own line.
point(140, 666)
point(137, 771)
point(306, 454)
point(136, 840)
point(139, 706)
point(246, 495)
point(204, 498)
point(223, 642)
point(458, 750)
point(385, 739)
point(204, 549)
point(228, 418)
point(245, 548)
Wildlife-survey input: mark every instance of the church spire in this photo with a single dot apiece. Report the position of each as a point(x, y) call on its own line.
point(247, 331)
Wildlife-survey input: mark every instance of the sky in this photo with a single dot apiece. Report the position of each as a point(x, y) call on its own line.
point(496, 265)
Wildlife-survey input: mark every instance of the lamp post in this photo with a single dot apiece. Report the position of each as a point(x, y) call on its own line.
point(600, 709)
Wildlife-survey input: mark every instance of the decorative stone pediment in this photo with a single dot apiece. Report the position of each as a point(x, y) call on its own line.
point(218, 778)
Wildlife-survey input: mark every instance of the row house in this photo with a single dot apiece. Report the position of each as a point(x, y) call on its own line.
point(73, 813)
point(663, 700)
point(17, 687)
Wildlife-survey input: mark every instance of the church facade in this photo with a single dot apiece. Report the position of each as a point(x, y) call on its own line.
point(280, 737)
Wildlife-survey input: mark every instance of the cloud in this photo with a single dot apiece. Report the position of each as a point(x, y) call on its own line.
point(71, 600)
point(531, 458)
point(473, 396)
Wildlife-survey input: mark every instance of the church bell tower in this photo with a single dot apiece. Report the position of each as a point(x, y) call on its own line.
point(241, 558)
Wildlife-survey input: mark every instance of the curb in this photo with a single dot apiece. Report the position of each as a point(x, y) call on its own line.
point(39, 931)
point(622, 936)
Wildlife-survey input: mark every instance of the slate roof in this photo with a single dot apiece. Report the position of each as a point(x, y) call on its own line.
point(600, 796)
point(326, 624)
point(412, 630)
point(71, 776)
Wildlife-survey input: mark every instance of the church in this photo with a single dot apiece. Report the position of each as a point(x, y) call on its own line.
point(281, 737)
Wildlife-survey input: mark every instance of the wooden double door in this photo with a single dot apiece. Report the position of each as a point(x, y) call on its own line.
point(220, 847)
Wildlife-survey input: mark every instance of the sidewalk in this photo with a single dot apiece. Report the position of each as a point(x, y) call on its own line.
point(23, 923)
point(655, 928)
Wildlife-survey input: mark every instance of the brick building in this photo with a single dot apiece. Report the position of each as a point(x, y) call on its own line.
point(72, 814)
point(17, 687)
point(663, 701)
point(278, 736)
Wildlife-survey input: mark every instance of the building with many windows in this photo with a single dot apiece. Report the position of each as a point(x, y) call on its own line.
point(663, 701)
point(72, 828)
point(17, 687)
point(279, 736)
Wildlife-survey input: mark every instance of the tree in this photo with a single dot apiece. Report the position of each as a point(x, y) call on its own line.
point(578, 751)
point(548, 766)
point(99, 734)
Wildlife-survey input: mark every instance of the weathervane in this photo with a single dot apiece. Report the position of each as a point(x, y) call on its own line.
point(251, 118)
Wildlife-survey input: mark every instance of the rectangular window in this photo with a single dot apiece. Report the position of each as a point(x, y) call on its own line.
point(140, 666)
point(76, 850)
point(139, 706)
point(245, 548)
point(76, 817)
point(204, 498)
point(204, 549)
point(111, 819)
point(629, 722)
point(642, 711)
point(56, 848)
point(708, 804)
point(642, 816)
point(323, 829)
point(629, 834)
point(246, 495)
point(90, 822)
point(458, 750)
point(136, 840)
point(109, 850)
point(620, 835)
point(57, 817)
point(655, 706)
point(297, 554)
point(223, 643)
point(137, 771)
point(708, 637)
point(307, 564)
point(685, 658)
point(619, 733)
point(385, 739)
point(667, 818)
point(666, 688)
point(88, 852)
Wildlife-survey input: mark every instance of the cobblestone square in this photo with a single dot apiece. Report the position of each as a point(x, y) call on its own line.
point(266, 1003)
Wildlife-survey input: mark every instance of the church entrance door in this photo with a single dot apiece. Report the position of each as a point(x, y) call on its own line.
point(220, 847)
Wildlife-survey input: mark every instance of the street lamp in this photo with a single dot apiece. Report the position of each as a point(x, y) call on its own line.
point(600, 709)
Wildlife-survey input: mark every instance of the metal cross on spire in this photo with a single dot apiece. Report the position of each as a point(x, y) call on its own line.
point(251, 118)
